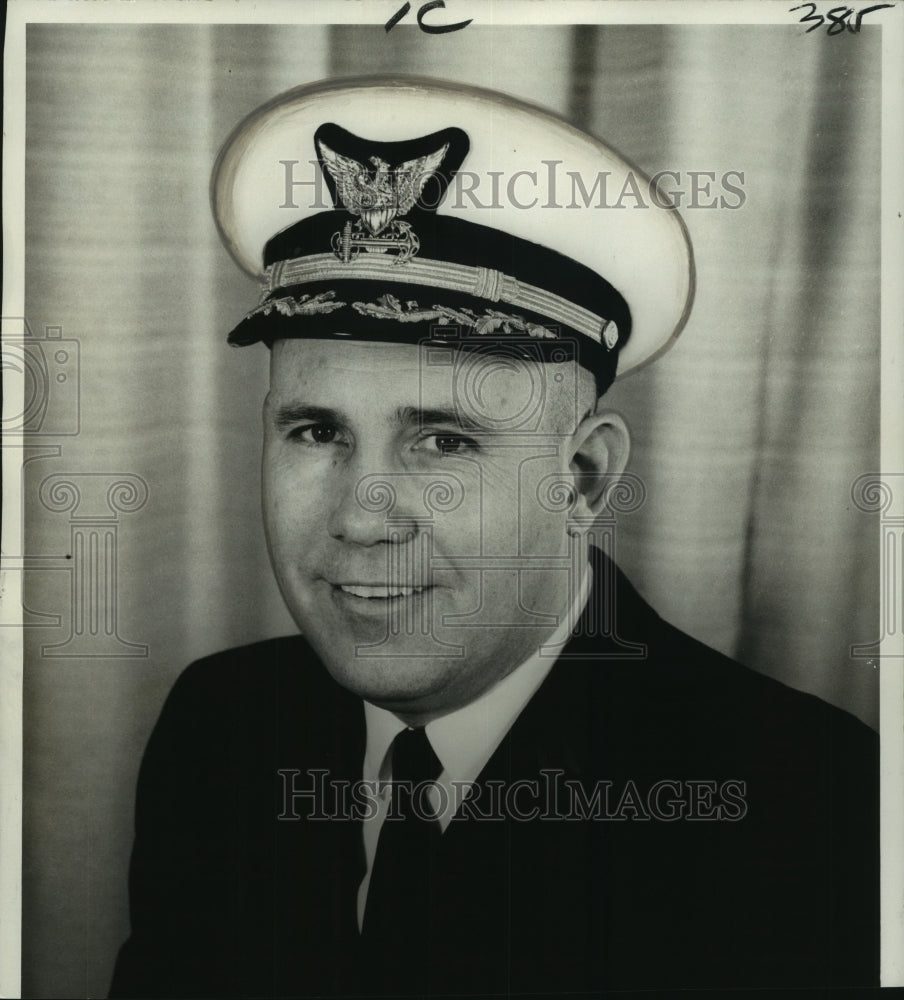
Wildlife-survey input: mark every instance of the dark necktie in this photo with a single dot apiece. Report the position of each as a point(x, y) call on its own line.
point(396, 932)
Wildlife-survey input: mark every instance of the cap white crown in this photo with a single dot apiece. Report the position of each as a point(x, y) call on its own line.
point(528, 172)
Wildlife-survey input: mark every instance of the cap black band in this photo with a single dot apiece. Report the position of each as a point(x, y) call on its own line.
point(442, 273)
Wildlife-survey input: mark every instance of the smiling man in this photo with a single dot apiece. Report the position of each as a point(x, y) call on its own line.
point(485, 766)
point(346, 418)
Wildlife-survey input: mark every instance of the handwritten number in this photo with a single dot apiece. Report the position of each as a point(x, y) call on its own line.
point(837, 17)
point(812, 16)
point(861, 14)
point(399, 14)
point(438, 29)
point(430, 29)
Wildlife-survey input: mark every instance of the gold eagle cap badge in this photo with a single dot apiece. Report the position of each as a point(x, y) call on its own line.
point(378, 193)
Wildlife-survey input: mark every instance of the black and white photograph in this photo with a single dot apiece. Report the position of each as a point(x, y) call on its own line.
point(453, 498)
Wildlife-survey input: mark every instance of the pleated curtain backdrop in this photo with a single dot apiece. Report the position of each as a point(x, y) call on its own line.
point(747, 435)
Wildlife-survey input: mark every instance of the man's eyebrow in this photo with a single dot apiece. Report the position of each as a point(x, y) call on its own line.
point(288, 414)
point(408, 415)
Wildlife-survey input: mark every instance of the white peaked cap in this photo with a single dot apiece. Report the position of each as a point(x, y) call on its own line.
point(527, 174)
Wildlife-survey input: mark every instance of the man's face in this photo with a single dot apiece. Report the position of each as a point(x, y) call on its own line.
point(414, 512)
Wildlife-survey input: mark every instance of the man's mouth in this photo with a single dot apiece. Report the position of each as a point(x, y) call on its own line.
point(378, 593)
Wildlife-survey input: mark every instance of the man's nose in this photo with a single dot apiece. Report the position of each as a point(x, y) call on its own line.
point(375, 503)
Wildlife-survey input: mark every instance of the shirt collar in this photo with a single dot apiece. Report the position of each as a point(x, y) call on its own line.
point(464, 739)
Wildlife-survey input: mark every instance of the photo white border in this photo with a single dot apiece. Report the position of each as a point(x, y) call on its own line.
point(499, 12)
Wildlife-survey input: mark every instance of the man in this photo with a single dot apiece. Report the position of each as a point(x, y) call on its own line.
point(486, 766)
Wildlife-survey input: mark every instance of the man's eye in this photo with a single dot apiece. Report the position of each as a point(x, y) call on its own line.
point(315, 434)
point(452, 444)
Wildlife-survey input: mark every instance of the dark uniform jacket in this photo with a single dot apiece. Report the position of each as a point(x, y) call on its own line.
point(684, 821)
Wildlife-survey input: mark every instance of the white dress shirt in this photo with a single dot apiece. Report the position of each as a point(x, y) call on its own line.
point(463, 740)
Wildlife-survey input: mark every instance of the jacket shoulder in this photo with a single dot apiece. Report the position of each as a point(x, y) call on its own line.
point(243, 675)
point(675, 693)
point(242, 707)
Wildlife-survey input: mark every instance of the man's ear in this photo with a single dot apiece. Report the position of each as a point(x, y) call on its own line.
point(599, 454)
